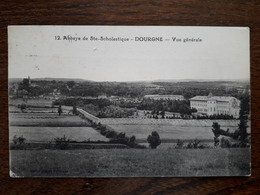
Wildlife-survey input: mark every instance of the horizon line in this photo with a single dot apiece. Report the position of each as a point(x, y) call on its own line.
point(155, 80)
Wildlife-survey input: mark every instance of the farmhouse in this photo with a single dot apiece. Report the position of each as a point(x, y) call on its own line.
point(164, 97)
point(211, 105)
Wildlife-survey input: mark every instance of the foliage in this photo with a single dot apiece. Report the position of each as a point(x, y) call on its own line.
point(137, 90)
point(62, 143)
point(99, 103)
point(116, 112)
point(192, 144)
point(71, 84)
point(241, 135)
point(22, 106)
point(19, 142)
point(74, 110)
point(180, 144)
point(225, 143)
point(59, 110)
point(159, 107)
point(195, 144)
point(154, 140)
point(115, 137)
point(215, 116)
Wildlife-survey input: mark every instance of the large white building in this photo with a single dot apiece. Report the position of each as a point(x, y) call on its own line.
point(164, 97)
point(211, 105)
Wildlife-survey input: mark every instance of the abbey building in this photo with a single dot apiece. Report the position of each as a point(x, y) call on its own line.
point(211, 105)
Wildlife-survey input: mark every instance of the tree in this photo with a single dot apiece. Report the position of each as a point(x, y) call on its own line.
point(59, 110)
point(26, 83)
point(71, 84)
point(163, 114)
point(154, 140)
point(74, 110)
point(132, 139)
point(240, 134)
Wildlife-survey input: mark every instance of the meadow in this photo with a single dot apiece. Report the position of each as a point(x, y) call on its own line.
point(130, 162)
point(47, 134)
point(46, 120)
point(41, 125)
point(168, 132)
point(33, 102)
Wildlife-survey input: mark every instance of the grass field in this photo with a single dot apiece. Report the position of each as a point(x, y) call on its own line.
point(37, 102)
point(46, 120)
point(44, 127)
point(130, 162)
point(15, 109)
point(168, 131)
point(46, 134)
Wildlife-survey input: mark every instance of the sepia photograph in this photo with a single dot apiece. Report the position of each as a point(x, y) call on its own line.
point(129, 101)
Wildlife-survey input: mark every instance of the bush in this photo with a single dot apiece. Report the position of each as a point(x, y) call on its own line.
point(62, 143)
point(193, 144)
point(180, 144)
point(74, 110)
point(225, 143)
point(19, 143)
point(154, 140)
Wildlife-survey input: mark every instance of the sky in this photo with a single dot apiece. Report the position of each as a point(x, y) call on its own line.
point(222, 53)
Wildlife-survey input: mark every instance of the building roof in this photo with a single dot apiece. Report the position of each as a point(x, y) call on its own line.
point(163, 96)
point(203, 98)
point(213, 98)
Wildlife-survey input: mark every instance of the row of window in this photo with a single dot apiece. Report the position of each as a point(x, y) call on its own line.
point(205, 104)
point(214, 111)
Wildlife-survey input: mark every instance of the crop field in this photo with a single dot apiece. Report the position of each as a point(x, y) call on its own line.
point(130, 162)
point(177, 122)
point(45, 126)
point(47, 134)
point(168, 131)
point(15, 109)
point(37, 102)
point(46, 120)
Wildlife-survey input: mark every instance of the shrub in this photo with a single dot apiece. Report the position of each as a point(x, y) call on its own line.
point(19, 143)
point(154, 140)
point(225, 143)
point(180, 144)
point(74, 110)
point(193, 144)
point(111, 134)
point(62, 143)
point(22, 107)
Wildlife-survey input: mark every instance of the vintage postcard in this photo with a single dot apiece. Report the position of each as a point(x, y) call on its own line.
point(129, 101)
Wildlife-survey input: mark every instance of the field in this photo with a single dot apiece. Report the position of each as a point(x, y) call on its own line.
point(168, 132)
point(47, 134)
point(40, 125)
point(37, 102)
point(15, 109)
point(177, 122)
point(46, 120)
point(130, 162)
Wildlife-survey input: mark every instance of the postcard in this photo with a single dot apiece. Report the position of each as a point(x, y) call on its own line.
point(129, 101)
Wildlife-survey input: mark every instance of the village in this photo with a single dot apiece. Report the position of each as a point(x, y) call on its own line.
point(207, 106)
